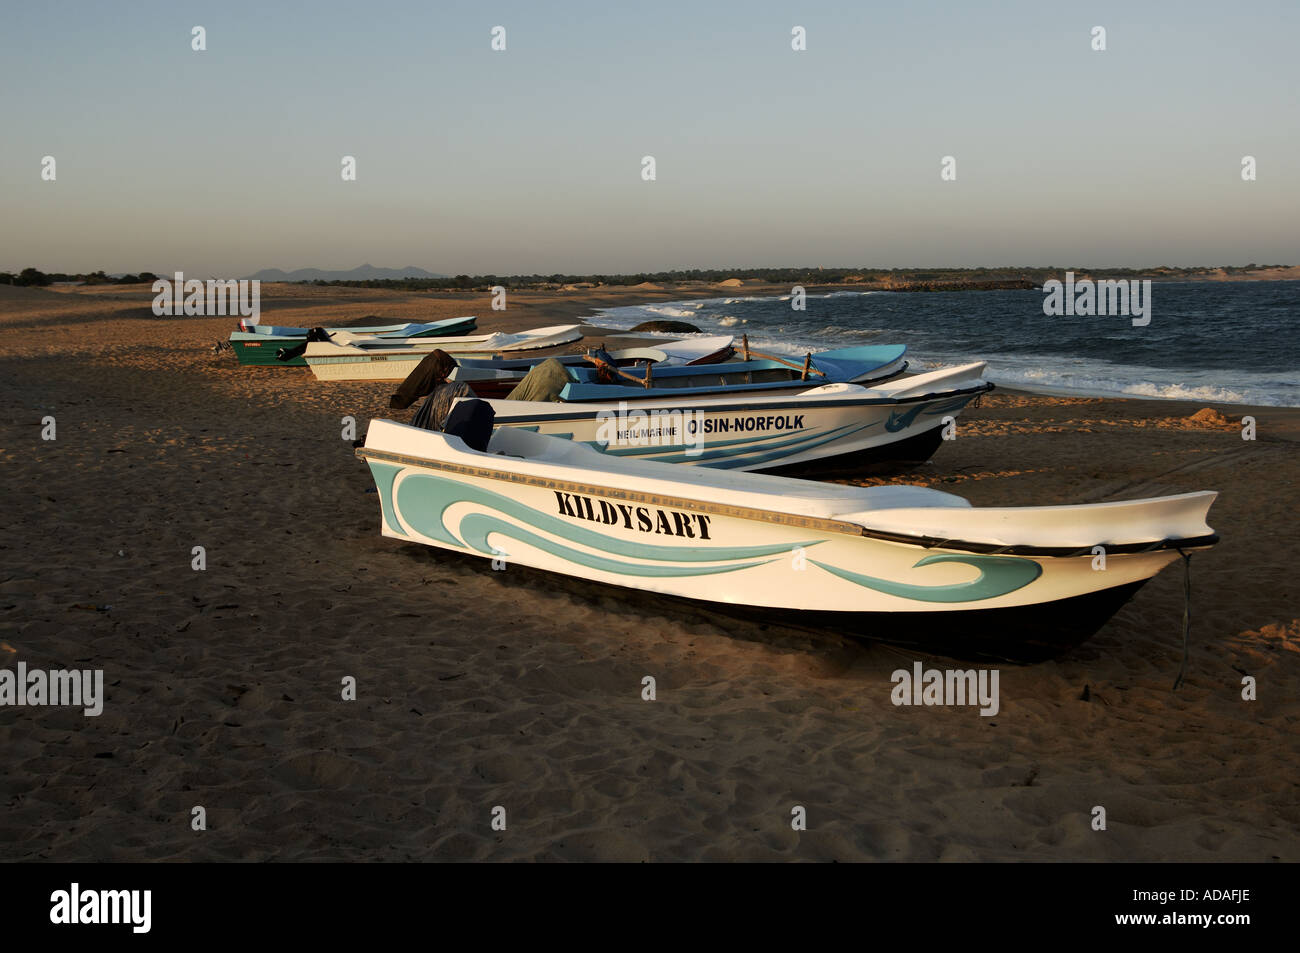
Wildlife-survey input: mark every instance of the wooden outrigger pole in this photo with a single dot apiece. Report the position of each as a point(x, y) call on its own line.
point(806, 368)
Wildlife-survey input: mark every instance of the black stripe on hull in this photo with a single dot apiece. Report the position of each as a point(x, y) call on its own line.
point(889, 458)
point(1019, 634)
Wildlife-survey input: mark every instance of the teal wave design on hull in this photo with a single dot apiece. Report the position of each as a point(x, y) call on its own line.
point(423, 499)
point(948, 406)
point(897, 421)
point(477, 526)
point(999, 575)
point(384, 475)
point(901, 421)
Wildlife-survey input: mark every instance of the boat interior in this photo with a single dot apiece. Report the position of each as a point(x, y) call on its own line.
point(705, 375)
point(758, 490)
point(899, 508)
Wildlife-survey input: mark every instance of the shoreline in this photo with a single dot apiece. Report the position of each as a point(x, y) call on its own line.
point(294, 303)
point(1044, 390)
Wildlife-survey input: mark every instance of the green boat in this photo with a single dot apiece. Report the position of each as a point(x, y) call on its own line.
point(259, 345)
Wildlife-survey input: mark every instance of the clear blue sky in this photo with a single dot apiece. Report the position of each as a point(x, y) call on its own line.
point(469, 160)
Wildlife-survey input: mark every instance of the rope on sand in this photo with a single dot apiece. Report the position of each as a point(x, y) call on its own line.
point(1187, 614)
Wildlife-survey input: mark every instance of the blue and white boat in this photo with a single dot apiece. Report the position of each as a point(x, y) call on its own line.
point(763, 425)
point(884, 560)
point(498, 375)
point(850, 365)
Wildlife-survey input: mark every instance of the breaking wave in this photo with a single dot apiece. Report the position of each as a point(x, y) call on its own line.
point(1184, 354)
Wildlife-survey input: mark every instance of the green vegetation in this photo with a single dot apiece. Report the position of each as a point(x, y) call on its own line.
point(36, 279)
point(898, 279)
point(923, 279)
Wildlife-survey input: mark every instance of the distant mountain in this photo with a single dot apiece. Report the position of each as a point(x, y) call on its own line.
point(364, 273)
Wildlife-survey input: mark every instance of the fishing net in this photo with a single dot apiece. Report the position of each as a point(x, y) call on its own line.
point(428, 374)
point(543, 382)
point(432, 414)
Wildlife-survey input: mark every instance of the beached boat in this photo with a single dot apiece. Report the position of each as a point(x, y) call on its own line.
point(826, 426)
point(262, 344)
point(878, 561)
point(496, 377)
point(642, 376)
point(409, 329)
point(849, 365)
point(349, 357)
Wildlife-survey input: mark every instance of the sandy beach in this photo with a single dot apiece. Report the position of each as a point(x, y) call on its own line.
point(479, 688)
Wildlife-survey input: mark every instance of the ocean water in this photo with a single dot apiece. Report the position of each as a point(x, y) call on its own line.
point(1234, 342)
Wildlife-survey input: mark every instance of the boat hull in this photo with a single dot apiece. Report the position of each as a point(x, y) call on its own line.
point(868, 366)
point(448, 326)
point(835, 426)
point(700, 548)
point(892, 457)
point(724, 559)
point(259, 350)
point(259, 345)
point(343, 358)
point(1020, 634)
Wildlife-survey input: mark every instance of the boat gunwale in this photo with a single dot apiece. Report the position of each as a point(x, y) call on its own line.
point(632, 392)
point(787, 404)
point(819, 523)
point(736, 368)
point(633, 496)
point(794, 384)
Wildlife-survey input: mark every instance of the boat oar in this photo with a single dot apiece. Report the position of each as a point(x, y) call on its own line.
point(806, 367)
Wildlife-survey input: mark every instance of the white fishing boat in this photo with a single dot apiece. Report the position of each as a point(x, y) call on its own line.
point(828, 425)
point(409, 329)
point(354, 357)
point(875, 560)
